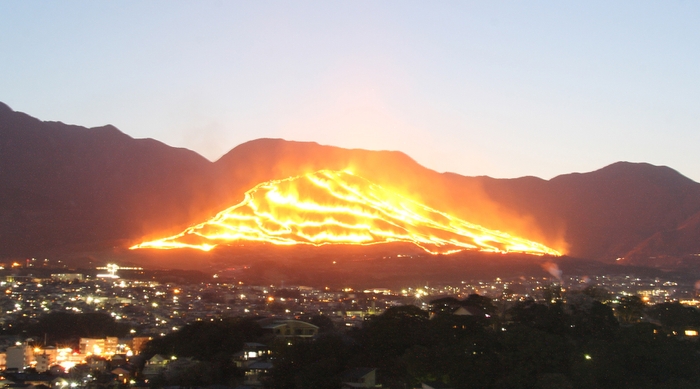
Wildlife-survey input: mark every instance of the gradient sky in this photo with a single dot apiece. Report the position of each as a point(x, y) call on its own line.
point(504, 89)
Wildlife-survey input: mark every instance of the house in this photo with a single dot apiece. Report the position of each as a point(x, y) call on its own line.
point(123, 375)
point(460, 310)
point(291, 328)
point(155, 366)
point(96, 363)
point(468, 311)
point(361, 377)
point(118, 360)
point(255, 373)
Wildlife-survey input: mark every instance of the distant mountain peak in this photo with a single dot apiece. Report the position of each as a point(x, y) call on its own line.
point(4, 108)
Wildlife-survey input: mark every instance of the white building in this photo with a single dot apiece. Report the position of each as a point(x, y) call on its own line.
point(19, 357)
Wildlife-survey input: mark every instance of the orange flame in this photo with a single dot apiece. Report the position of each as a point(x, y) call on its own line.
point(338, 207)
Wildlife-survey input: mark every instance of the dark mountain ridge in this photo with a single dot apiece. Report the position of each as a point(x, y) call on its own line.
point(64, 185)
point(69, 188)
point(605, 213)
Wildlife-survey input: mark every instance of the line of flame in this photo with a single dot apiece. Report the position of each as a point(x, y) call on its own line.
point(273, 220)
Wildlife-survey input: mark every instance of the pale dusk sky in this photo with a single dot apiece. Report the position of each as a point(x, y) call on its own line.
point(504, 89)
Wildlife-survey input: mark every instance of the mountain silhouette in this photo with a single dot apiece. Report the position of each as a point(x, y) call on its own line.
point(66, 188)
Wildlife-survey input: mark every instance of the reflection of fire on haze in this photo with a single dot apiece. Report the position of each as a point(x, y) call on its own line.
point(336, 207)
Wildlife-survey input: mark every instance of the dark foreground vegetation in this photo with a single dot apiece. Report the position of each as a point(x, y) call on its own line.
point(577, 342)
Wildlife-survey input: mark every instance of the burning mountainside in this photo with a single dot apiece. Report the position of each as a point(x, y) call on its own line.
point(335, 207)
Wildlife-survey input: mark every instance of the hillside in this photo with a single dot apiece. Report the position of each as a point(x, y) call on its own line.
point(70, 189)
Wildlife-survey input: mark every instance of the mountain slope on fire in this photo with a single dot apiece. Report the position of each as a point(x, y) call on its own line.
point(338, 207)
point(67, 189)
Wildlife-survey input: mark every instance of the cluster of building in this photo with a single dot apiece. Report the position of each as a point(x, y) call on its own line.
point(22, 355)
point(154, 309)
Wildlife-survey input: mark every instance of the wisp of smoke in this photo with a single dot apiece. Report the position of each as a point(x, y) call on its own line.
point(552, 269)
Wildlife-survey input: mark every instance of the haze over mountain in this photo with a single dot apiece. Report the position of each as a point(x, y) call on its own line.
point(69, 189)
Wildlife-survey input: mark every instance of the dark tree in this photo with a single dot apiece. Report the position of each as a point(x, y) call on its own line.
point(310, 364)
point(598, 293)
point(675, 315)
point(323, 322)
point(63, 327)
point(630, 309)
point(206, 340)
point(596, 321)
point(385, 338)
point(482, 303)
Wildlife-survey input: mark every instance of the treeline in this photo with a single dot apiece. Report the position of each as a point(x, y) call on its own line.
point(579, 342)
point(212, 344)
point(531, 345)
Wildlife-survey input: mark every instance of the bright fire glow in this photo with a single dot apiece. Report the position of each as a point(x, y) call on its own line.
point(337, 207)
